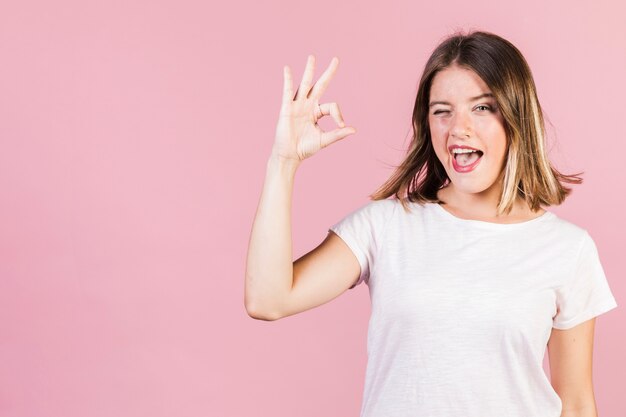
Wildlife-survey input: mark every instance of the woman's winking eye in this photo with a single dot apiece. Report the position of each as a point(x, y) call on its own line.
point(447, 111)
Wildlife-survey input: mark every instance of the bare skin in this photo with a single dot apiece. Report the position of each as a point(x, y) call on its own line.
point(475, 195)
point(521, 211)
point(456, 117)
point(298, 136)
point(276, 286)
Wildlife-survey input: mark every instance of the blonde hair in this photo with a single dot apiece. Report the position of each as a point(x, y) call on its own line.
point(528, 172)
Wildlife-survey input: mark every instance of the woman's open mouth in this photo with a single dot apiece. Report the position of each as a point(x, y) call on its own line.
point(466, 162)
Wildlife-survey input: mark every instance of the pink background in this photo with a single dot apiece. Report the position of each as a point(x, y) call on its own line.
point(134, 140)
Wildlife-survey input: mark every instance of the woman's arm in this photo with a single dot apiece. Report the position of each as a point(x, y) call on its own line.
point(571, 355)
point(269, 268)
point(274, 285)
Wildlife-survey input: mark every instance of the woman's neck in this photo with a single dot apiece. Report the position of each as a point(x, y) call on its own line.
point(483, 206)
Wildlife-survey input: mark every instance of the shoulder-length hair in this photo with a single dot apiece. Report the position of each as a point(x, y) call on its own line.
point(528, 171)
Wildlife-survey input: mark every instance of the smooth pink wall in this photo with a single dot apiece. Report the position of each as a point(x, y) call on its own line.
point(134, 140)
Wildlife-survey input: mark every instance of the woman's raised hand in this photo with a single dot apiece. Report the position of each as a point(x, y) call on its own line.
point(298, 136)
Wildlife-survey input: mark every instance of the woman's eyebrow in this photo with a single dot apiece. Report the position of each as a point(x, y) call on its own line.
point(432, 103)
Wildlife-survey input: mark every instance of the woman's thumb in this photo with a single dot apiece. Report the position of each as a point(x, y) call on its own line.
point(337, 134)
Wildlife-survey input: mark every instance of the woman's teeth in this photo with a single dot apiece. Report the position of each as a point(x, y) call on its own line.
point(466, 156)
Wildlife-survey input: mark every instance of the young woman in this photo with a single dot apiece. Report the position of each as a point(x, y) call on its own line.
point(470, 279)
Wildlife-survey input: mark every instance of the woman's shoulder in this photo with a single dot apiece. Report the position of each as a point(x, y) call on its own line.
point(567, 227)
point(394, 213)
point(372, 212)
point(382, 207)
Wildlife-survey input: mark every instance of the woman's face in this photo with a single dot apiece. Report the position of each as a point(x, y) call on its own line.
point(459, 116)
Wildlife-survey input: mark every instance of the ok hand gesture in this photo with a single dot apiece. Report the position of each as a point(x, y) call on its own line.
point(298, 136)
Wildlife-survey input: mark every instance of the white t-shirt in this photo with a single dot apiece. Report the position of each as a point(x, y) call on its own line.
point(462, 310)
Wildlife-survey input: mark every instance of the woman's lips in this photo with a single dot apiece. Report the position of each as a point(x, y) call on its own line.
point(467, 168)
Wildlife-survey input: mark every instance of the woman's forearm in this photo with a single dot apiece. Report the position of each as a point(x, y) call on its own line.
point(269, 264)
point(586, 411)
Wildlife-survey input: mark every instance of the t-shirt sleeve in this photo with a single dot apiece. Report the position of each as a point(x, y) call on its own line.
point(360, 231)
point(587, 294)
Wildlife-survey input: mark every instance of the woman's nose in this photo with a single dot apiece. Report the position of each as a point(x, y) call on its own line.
point(461, 125)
